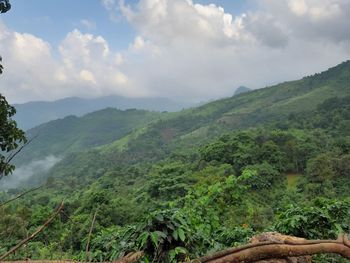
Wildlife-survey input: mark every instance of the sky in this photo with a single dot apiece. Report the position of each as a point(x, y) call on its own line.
point(193, 50)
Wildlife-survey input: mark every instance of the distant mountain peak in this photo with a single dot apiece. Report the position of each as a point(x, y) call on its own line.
point(241, 89)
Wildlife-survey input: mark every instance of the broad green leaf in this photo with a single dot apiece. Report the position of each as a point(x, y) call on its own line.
point(181, 234)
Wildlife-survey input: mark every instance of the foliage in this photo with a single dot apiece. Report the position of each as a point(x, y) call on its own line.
point(10, 135)
point(5, 6)
point(323, 219)
point(163, 235)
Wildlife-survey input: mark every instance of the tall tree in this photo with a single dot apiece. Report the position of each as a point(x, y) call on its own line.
point(11, 137)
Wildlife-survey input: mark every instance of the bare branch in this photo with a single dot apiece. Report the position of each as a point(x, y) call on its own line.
point(13, 154)
point(20, 195)
point(41, 228)
point(89, 236)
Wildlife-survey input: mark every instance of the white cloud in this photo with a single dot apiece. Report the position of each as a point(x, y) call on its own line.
point(139, 43)
point(85, 67)
point(312, 19)
point(180, 21)
point(112, 8)
point(88, 24)
point(181, 49)
point(298, 7)
point(204, 51)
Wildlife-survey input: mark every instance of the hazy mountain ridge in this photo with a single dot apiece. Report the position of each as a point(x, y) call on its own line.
point(72, 134)
point(160, 135)
point(189, 128)
point(35, 113)
point(241, 89)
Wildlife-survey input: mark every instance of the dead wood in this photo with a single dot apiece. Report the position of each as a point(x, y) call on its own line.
point(87, 250)
point(33, 235)
point(14, 154)
point(19, 196)
point(131, 258)
point(273, 250)
point(266, 250)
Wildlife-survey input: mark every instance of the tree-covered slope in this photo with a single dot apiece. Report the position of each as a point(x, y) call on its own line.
point(72, 134)
point(137, 136)
point(293, 104)
point(184, 129)
point(194, 126)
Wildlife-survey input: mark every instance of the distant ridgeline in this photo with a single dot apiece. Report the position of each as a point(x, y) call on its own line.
point(34, 113)
point(184, 184)
point(241, 89)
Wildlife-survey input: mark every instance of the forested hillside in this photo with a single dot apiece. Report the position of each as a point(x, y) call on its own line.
point(72, 134)
point(186, 184)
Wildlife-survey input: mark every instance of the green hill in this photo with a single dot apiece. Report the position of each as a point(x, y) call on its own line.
point(197, 125)
point(159, 135)
point(182, 133)
point(72, 134)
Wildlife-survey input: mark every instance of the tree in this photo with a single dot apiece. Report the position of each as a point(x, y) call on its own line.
point(4, 6)
point(10, 135)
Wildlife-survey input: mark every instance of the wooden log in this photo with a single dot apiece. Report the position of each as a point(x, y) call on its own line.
point(273, 250)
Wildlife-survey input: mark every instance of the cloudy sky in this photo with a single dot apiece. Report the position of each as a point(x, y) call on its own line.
point(184, 49)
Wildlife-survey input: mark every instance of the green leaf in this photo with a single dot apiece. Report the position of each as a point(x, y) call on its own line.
point(180, 250)
point(143, 239)
point(181, 234)
point(161, 234)
point(155, 239)
point(160, 218)
point(175, 235)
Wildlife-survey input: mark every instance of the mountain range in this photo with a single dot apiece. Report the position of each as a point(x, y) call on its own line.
point(132, 136)
point(34, 113)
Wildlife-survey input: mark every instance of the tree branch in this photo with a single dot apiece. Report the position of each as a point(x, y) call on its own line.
point(19, 196)
point(33, 235)
point(89, 236)
point(13, 155)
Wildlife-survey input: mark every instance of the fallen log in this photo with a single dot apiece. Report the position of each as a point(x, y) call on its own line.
point(131, 258)
point(288, 249)
point(280, 249)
